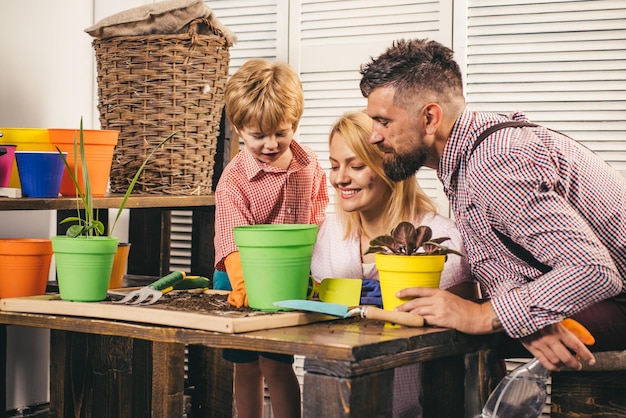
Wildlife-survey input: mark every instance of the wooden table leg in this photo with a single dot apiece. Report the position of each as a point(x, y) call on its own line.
point(114, 376)
point(212, 380)
point(328, 394)
point(481, 378)
point(164, 368)
point(442, 385)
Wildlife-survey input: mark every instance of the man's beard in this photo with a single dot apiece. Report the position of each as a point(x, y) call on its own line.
point(400, 168)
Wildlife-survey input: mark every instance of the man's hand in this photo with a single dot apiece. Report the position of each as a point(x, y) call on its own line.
point(443, 309)
point(553, 347)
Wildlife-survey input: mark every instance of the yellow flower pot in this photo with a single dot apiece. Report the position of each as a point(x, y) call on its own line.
point(399, 272)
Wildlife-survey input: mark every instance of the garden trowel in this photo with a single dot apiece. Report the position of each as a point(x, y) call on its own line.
point(344, 311)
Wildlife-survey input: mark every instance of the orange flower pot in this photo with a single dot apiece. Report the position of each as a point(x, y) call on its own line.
point(24, 266)
point(120, 261)
point(99, 148)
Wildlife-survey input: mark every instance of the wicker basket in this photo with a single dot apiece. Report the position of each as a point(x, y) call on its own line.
point(150, 86)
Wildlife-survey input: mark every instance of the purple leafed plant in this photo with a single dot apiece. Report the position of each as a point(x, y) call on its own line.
point(406, 239)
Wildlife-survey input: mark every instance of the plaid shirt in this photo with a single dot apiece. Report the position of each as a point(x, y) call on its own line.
point(550, 195)
point(250, 192)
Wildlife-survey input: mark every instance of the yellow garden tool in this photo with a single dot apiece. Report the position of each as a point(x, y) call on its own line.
point(336, 290)
point(149, 294)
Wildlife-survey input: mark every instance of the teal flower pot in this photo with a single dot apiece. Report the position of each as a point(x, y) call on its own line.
point(84, 266)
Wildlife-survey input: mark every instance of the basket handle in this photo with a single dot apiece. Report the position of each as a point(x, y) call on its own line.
point(193, 28)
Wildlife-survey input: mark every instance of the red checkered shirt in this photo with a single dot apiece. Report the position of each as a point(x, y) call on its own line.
point(250, 192)
point(550, 195)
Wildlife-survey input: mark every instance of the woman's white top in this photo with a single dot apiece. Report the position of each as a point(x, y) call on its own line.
point(336, 257)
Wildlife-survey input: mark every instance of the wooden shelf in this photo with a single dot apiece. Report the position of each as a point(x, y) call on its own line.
point(108, 201)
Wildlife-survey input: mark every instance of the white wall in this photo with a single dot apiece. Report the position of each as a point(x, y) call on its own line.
point(47, 80)
point(46, 72)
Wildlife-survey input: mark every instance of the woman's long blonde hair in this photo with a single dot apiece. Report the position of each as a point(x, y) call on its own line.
point(407, 199)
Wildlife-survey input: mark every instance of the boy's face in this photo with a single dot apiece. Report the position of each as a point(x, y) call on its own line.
point(269, 147)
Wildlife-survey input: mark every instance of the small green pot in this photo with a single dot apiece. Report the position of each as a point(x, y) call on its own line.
point(83, 266)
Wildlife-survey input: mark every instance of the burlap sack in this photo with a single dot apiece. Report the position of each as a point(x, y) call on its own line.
point(166, 17)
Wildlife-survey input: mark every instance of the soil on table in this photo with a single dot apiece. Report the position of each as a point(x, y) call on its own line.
point(207, 302)
point(198, 302)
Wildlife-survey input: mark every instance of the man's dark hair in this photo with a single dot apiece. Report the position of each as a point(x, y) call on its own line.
point(413, 66)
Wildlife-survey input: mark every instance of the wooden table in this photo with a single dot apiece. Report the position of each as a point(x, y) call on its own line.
point(348, 367)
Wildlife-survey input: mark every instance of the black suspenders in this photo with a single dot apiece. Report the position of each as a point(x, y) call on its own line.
point(519, 251)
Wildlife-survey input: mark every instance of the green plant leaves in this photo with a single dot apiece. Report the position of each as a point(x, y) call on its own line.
point(90, 225)
point(134, 181)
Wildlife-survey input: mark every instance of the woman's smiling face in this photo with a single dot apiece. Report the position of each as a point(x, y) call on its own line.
point(358, 187)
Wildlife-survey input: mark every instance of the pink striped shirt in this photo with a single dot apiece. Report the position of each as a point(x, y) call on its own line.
point(250, 192)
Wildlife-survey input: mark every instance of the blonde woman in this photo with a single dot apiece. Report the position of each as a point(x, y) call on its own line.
point(369, 204)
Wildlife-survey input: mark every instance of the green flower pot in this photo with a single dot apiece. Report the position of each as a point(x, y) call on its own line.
point(276, 261)
point(83, 266)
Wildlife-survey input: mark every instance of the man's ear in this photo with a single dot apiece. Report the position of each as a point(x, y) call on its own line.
point(433, 114)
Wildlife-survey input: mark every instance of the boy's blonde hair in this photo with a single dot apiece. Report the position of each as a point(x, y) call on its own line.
point(407, 199)
point(264, 95)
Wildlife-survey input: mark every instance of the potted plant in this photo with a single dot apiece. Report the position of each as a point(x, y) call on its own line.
point(408, 257)
point(86, 278)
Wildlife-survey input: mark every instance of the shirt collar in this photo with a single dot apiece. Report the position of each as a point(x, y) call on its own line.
point(254, 167)
point(457, 146)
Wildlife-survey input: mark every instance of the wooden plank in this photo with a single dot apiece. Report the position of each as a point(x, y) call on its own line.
point(481, 373)
point(168, 380)
point(442, 383)
point(59, 365)
point(212, 380)
point(226, 322)
point(111, 376)
point(149, 231)
point(588, 394)
point(363, 396)
point(202, 250)
point(3, 368)
point(107, 201)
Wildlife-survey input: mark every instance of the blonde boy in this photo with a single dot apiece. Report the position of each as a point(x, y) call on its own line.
point(273, 180)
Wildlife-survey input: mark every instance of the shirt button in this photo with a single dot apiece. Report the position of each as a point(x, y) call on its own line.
point(289, 210)
point(524, 331)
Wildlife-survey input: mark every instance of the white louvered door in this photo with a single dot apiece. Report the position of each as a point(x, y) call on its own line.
point(561, 62)
point(329, 40)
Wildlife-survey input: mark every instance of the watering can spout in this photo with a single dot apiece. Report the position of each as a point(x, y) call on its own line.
point(523, 392)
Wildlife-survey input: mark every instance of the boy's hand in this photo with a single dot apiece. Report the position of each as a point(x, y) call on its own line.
point(237, 297)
